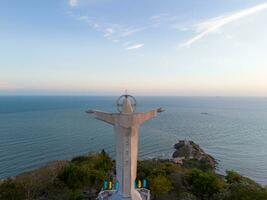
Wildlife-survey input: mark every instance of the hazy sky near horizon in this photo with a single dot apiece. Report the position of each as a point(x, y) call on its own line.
point(149, 47)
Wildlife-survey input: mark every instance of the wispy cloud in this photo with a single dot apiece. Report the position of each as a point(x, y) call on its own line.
point(116, 33)
point(213, 25)
point(136, 46)
point(125, 44)
point(124, 34)
point(130, 31)
point(108, 32)
point(162, 19)
point(73, 3)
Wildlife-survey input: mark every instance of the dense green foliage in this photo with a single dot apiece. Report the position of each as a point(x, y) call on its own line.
point(203, 184)
point(242, 188)
point(160, 185)
point(12, 190)
point(82, 178)
point(86, 173)
point(75, 195)
point(203, 164)
point(61, 181)
point(75, 177)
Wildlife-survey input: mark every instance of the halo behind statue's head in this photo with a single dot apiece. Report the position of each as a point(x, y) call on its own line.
point(121, 99)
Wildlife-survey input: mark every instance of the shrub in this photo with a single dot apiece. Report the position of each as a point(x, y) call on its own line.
point(240, 191)
point(74, 177)
point(203, 164)
point(159, 185)
point(12, 190)
point(203, 184)
point(187, 196)
point(97, 161)
point(150, 168)
point(242, 188)
point(76, 195)
point(233, 177)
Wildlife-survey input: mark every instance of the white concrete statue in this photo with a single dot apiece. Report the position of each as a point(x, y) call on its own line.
point(126, 124)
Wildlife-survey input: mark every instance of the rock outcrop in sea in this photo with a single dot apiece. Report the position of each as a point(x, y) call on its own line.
point(187, 151)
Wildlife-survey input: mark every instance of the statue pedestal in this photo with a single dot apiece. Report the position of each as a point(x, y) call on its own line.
point(141, 194)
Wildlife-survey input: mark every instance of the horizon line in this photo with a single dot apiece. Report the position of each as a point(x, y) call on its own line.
point(67, 95)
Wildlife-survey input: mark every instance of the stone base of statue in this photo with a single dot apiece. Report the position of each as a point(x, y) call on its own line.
point(141, 194)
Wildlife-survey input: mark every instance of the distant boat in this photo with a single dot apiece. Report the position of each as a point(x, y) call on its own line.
point(204, 113)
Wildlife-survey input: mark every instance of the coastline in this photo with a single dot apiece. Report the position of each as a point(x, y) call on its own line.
point(82, 178)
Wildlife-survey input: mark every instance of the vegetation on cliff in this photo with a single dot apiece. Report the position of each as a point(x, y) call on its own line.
point(190, 155)
point(82, 178)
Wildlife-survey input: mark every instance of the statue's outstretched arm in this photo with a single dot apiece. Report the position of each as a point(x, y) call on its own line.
point(103, 116)
point(140, 118)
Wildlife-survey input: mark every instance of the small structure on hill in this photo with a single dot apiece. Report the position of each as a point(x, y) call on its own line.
point(126, 125)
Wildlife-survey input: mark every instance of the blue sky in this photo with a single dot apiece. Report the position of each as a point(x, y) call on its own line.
point(149, 47)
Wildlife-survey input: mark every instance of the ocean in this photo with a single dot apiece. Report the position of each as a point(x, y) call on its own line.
point(37, 129)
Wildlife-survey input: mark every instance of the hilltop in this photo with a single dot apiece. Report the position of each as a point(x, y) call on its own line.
point(189, 154)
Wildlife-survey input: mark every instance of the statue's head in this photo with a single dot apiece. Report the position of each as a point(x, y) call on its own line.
point(126, 103)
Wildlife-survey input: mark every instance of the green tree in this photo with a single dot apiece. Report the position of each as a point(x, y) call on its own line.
point(97, 161)
point(74, 176)
point(203, 184)
point(203, 164)
point(151, 168)
point(104, 162)
point(12, 190)
point(233, 177)
point(159, 185)
point(76, 195)
point(187, 196)
point(241, 191)
point(243, 188)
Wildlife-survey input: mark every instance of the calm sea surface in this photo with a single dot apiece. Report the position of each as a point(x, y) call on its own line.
point(35, 130)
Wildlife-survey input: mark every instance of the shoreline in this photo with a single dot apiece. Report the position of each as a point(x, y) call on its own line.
point(214, 162)
point(83, 176)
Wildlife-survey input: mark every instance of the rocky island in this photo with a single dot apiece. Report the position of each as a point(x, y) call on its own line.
point(189, 153)
point(194, 178)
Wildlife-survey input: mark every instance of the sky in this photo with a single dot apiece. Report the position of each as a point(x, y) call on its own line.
point(147, 47)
